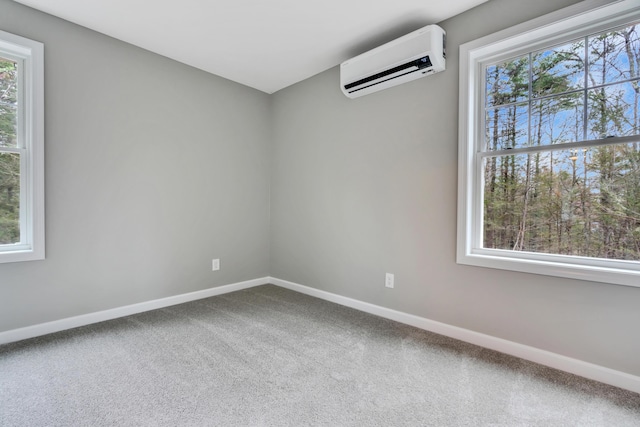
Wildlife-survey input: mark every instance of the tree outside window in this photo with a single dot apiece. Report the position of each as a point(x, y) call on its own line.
point(549, 145)
point(9, 162)
point(578, 200)
point(21, 149)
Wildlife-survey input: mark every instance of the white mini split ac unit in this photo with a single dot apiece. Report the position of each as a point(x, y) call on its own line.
point(418, 54)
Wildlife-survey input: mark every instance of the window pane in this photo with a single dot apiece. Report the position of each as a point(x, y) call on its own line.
point(614, 110)
point(614, 56)
point(8, 81)
point(8, 102)
point(558, 119)
point(9, 198)
point(507, 82)
point(8, 115)
point(558, 70)
point(583, 202)
point(507, 127)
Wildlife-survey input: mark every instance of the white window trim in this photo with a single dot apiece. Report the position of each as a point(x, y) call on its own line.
point(31, 53)
point(564, 25)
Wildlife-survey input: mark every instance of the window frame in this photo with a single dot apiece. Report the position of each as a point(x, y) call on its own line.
point(30, 55)
point(567, 24)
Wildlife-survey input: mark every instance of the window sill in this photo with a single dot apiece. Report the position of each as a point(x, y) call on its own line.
point(19, 254)
point(626, 273)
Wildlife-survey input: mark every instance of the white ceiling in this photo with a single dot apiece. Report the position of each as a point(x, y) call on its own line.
point(267, 45)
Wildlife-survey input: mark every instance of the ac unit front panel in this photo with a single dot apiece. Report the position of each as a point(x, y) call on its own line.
point(401, 60)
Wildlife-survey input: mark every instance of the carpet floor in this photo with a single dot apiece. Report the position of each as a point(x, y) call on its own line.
point(267, 356)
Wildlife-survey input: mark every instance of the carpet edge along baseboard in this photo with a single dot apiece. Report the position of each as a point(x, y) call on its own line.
point(543, 357)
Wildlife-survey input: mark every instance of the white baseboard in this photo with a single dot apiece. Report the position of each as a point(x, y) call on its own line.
point(543, 357)
point(100, 316)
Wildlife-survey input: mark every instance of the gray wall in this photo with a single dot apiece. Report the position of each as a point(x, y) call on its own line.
point(367, 186)
point(153, 168)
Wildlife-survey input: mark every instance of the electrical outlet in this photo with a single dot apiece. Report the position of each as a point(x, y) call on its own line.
point(389, 280)
point(215, 265)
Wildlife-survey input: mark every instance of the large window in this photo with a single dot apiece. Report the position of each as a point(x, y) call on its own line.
point(21, 149)
point(550, 146)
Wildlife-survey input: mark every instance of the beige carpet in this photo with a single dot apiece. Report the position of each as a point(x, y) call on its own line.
point(267, 356)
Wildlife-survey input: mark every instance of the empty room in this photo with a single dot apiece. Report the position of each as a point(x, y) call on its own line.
point(245, 213)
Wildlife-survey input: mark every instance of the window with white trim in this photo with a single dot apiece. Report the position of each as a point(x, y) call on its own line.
point(21, 149)
point(549, 149)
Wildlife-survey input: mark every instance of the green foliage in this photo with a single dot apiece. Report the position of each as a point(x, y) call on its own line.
point(9, 198)
point(9, 162)
point(584, 201)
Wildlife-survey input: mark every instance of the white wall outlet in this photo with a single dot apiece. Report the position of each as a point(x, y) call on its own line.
point(389, 280)
point(215, 265)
